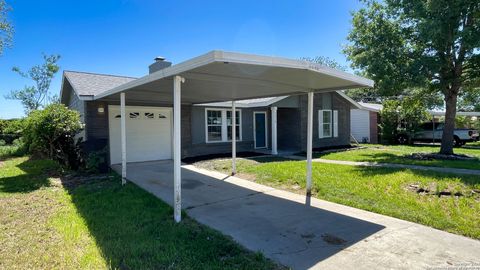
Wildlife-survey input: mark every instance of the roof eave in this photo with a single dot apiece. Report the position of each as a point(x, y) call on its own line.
point(240, 58)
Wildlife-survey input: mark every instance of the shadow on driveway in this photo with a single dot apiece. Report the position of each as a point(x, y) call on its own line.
point(288, 231)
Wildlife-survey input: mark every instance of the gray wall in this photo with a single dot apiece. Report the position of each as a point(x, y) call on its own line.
point(326, 101)
point(292, 125)
point(199, 146)
point(288, 129)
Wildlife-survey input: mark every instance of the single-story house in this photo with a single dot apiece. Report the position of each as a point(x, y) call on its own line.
point(364, 122)
point(163, 114)
point(206, 126)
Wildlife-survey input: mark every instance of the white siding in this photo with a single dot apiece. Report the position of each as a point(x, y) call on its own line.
point(360, 125)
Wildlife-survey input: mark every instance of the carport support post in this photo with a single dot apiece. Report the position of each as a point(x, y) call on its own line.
point(124, 138)
point(309, 142)
point(274, 131)
point(234, 138)
point(177, 177)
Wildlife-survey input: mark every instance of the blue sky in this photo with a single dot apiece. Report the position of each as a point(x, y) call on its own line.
point(122, 37)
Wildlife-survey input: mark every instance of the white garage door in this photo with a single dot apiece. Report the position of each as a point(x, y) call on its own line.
point(360, 125)
point(148, 132)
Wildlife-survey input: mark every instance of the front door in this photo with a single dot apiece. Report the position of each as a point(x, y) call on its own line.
point(260, 129)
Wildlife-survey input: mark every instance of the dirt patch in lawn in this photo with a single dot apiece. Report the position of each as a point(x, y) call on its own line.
point(433, 190)
point(436, 156)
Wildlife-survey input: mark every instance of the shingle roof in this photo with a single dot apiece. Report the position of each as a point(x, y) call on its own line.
point(85, 83)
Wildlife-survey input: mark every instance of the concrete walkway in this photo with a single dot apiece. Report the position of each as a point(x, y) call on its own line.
point(304, 233)
point(399, 166)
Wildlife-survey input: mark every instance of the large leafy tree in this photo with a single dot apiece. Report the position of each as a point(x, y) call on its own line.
point(429, 44)
point(470, 101)
point(6, 28)
point(36, 96)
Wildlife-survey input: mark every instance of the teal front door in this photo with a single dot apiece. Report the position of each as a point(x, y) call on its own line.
point(260, 129)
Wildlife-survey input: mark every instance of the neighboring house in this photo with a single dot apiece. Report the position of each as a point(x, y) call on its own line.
point(206, 128)
point(364, 122)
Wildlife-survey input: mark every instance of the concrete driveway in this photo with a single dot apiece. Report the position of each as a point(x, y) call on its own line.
point(300, 234)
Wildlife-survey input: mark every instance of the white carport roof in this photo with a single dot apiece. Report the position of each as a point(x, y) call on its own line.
point(221, 76)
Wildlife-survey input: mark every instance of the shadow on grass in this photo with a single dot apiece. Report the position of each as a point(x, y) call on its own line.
point(135, 230)
point(35, 174)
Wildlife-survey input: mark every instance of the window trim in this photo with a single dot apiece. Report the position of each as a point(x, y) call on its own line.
point(224, 125)
point(333, 124)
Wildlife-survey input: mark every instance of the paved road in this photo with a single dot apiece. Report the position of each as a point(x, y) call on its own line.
point(304, 233)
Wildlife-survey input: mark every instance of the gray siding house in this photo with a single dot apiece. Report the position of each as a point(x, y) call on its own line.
point(206, 128)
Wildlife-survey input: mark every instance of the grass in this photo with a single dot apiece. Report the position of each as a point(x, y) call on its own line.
point(381, 190)
point(473, 144)
point(52, 221)
point(398, 154)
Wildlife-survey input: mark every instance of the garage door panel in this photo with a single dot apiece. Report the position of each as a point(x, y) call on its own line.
point(148, 133)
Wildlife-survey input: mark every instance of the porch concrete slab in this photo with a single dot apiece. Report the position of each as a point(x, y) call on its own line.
point(304, 233)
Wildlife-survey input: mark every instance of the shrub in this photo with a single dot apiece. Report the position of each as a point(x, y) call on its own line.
point(2, 143)
point(14, 126)
point(96, 161)
point(11, 129)
point(51, 132)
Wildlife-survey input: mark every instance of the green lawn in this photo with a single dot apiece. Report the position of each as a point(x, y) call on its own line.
point(50, 221)
point(399, 154)
point(381, 190)
point(473, 144)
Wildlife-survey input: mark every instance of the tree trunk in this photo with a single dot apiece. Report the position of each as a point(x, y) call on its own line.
point(450, 113)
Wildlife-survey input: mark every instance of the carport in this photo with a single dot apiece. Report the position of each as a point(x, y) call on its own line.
point(227, 76)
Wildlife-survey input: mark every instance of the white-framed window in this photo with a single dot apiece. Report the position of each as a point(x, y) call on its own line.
point(327, 123)
point(218, 125)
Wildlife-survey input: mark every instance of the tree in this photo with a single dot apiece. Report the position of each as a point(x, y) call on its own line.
point(432, 45)
point(470, 101)
point(6, 28)
point(325, 61)
point(37, 96)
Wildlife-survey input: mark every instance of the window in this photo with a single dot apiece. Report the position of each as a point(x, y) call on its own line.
point(134, 115)
point(327, 123)
point(149, 115)
point(229, 125)
point(214, 126)
point(219, 125)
